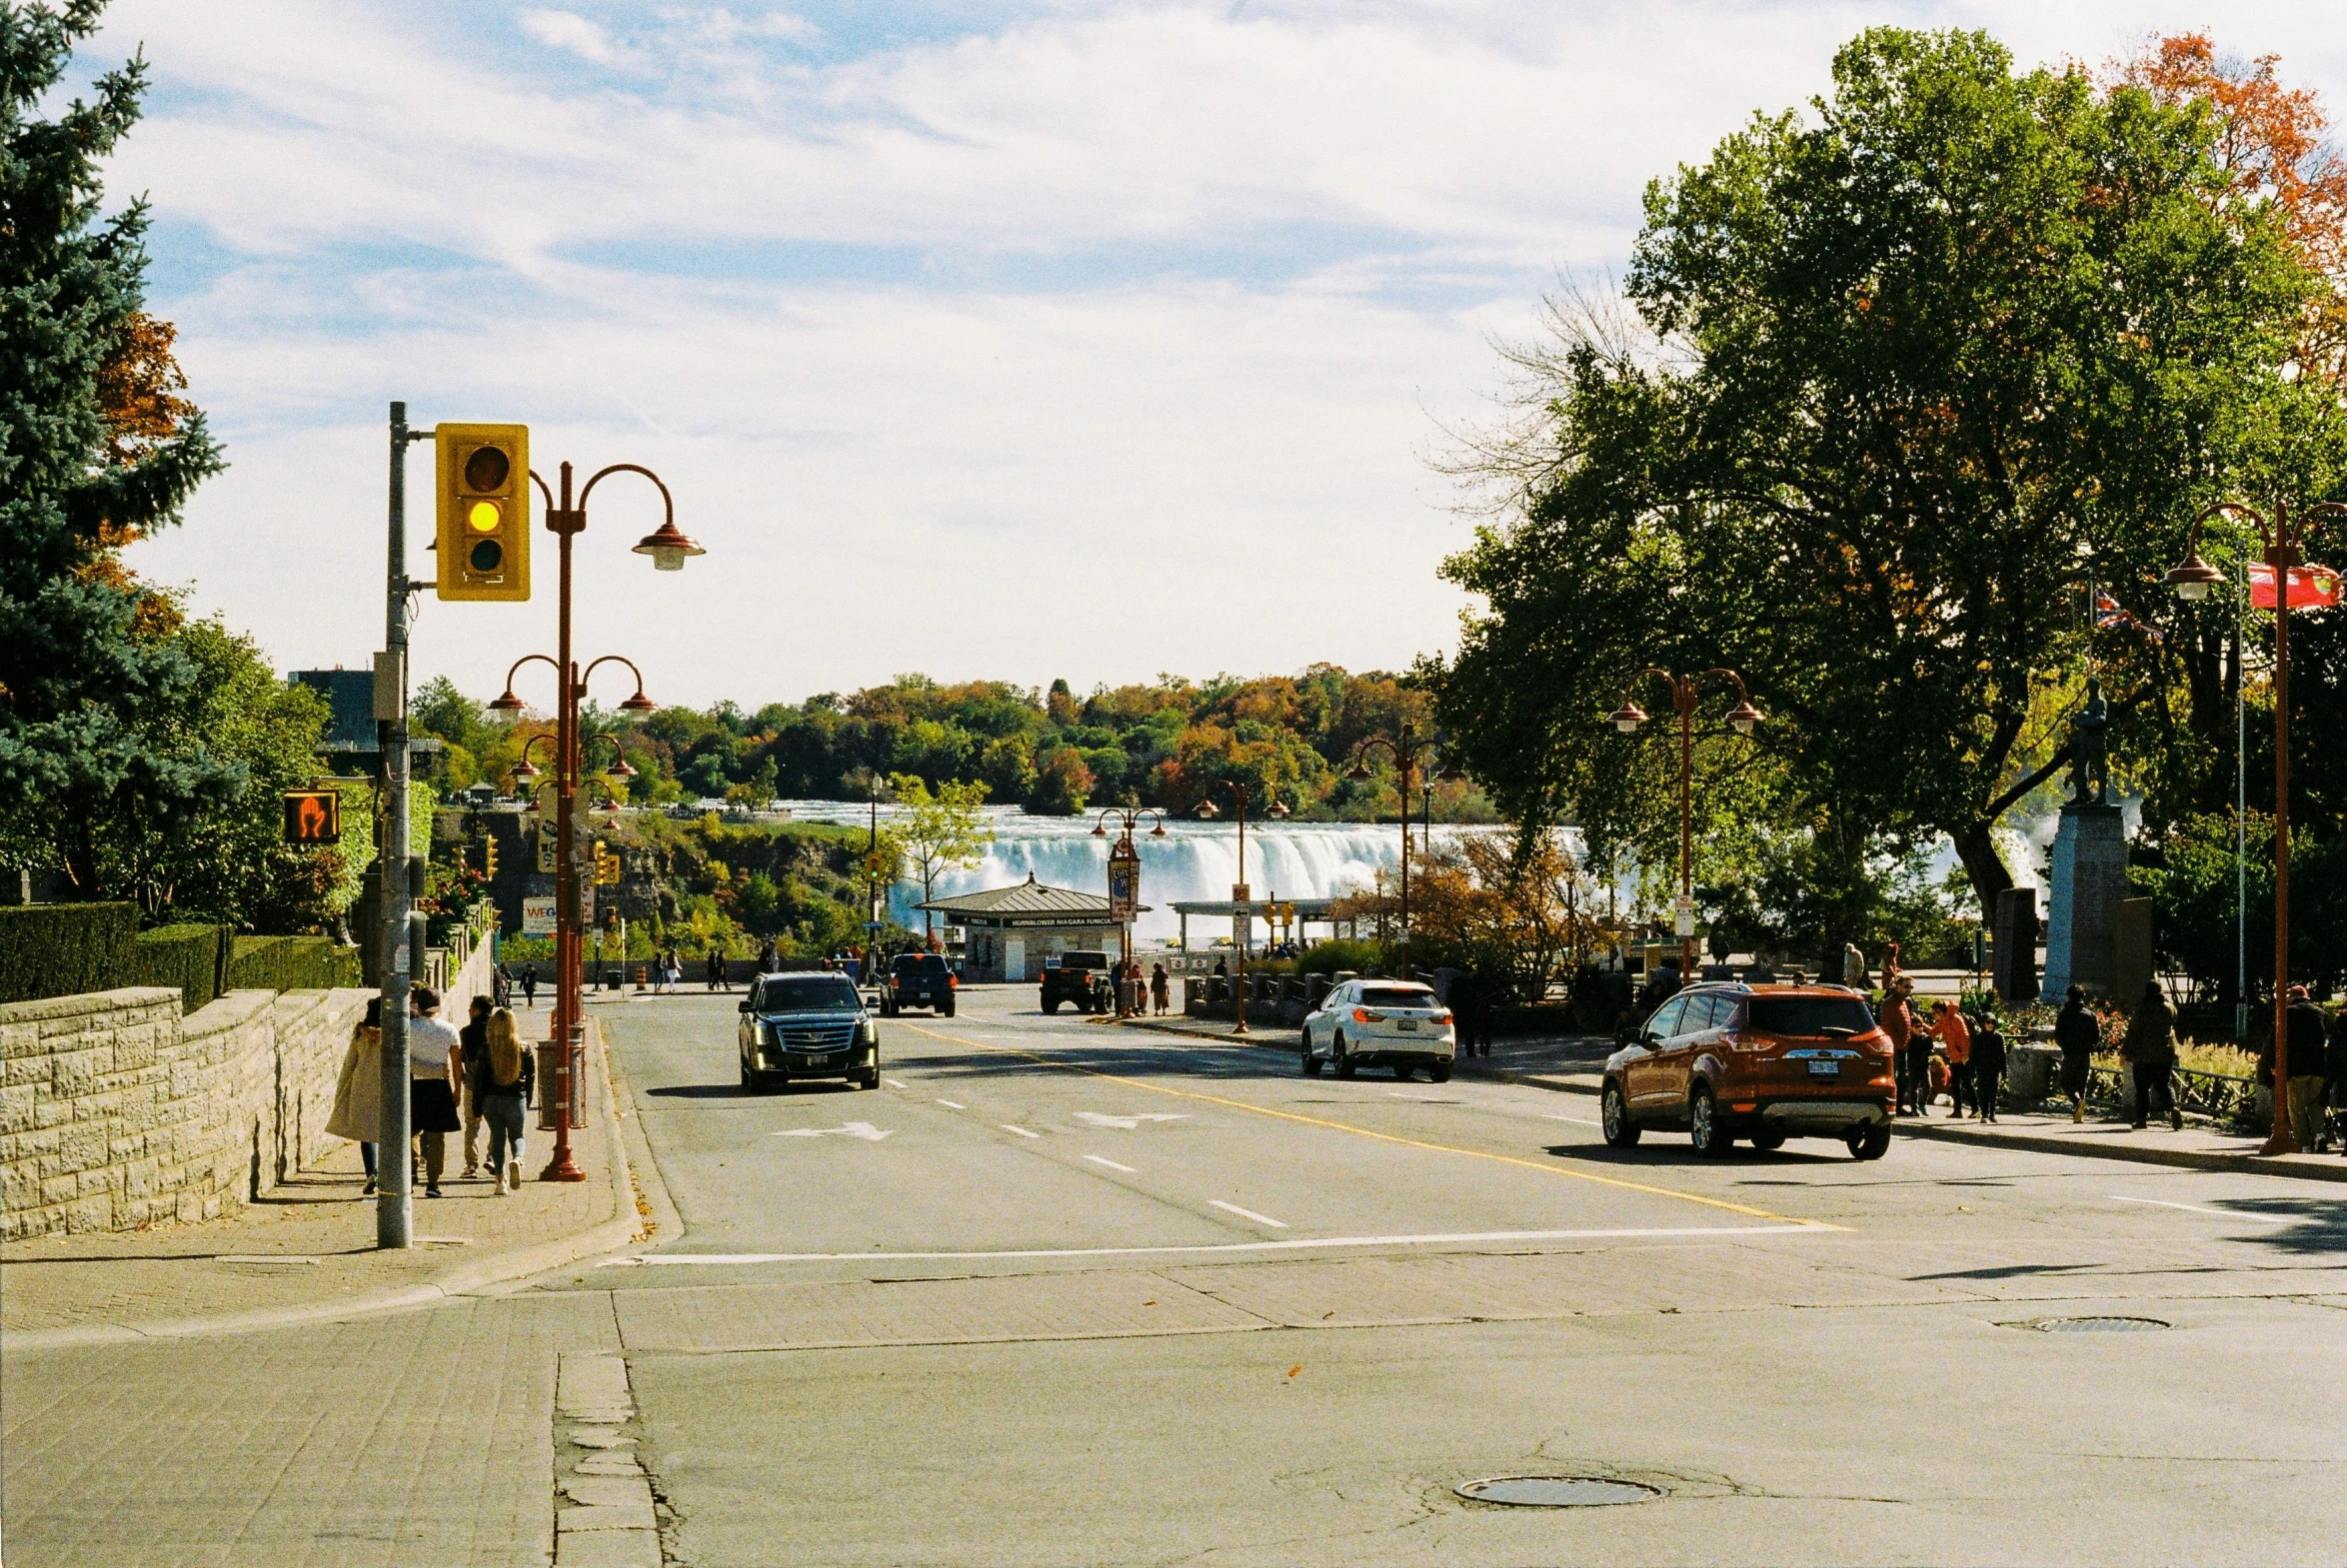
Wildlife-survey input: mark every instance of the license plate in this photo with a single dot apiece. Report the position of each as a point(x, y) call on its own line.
point(1825, 1070)
point(819, 1061)
point(1407, 1025)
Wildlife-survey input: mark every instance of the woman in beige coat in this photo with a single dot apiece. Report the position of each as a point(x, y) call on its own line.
point(358, 1092)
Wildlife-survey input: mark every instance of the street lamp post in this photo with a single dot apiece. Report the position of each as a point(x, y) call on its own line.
point(1403, 749)
point(1236, 793)
point(2279, 539)
point(667, 548)
point(1125, 849)
point(1626, 718)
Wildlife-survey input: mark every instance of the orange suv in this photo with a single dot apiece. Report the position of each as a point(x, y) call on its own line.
point(1764, 1063)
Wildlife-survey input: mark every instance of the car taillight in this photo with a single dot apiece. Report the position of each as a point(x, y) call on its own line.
point(953, 983)
point(1736, 1041)
point(1364, 1015)
point(1439, 1019)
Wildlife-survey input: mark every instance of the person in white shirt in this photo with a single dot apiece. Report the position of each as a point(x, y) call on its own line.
point(433, 1065)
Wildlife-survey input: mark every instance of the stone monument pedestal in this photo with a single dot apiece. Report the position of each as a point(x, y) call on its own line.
point(2086, 884)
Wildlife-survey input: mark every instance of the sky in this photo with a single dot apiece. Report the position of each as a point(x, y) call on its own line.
point(987, 340)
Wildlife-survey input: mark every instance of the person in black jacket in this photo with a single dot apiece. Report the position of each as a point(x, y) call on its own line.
point(2076, 1032)
point(1988, 1064)
point(2308, 1068)
point(2335, 1065)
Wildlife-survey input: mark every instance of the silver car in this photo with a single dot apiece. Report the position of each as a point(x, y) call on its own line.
point(1381, 1023)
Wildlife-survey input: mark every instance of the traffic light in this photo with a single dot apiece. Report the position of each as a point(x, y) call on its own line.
point(313, 816)
point(488, 858)
point(483, 511)
point(607, 866)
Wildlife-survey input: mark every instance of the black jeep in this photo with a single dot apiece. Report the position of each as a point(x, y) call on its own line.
point(1080, 980)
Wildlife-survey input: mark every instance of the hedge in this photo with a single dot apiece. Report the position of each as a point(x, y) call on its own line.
point(290, 963)
point(192, 958)
point(62, 949)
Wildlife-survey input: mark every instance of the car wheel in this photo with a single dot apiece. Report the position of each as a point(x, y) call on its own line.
point(1439, 1072)
point(1711, 1140)
point(1768, 1142)
point(1870, 1142)
point(1614, 1118)
point(1342, 1058)
point(747, 1081)
point(1303, 1053)
point(870, 1080)
point(1050, 1006)
point(949, 1013)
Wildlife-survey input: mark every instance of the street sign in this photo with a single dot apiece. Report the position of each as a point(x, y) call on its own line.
point(1239, 892)
point(547, 843)
point(538, 916)
point(313, 816)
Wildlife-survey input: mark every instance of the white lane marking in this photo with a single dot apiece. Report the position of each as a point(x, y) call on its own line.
point(853, 1129)
point(1111, 1164)
point(1248, 1213)
point(2220, 1213)
point(1093, 1118)
point(1021, 1131)
point(1579, 1120)
point(953, 1104)
point(1453, 1239)
point(896, 1083)
point(1424, 1099)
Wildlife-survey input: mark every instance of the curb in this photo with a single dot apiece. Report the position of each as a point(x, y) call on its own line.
point(2194, 1159)
point(611, 1235)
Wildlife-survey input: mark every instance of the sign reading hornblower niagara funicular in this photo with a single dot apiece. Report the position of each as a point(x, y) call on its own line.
point(1123, 881)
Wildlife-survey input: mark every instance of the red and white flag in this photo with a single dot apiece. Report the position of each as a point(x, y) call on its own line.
point(2311, 587)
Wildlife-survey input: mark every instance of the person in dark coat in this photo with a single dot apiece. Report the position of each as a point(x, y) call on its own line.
point(1472, 1017)
point(2335, 1069)
point(2309, 1076)
point(530, 985)
point(1988, 1063)
point(2076, 1032)
point(2150, 1049)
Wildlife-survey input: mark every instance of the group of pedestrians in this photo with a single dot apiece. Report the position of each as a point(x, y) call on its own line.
point(1137, 993)
point(458, 1080)
point(1969, 1066)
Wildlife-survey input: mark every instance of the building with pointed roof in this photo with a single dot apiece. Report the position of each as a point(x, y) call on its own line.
point(1008, 933)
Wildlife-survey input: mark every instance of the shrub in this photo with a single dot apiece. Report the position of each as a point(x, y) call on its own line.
point(290, 963)
point(192, 958)
point(63, 949)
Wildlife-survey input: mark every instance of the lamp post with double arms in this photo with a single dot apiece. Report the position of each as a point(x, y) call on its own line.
point(1242, 906)
point(669, 549)
point(1626, 718)
point(1403, 747)
point(2280, 538)
point(1124, 849)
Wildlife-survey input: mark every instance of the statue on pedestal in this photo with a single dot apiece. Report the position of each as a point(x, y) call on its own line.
point(2090, 749)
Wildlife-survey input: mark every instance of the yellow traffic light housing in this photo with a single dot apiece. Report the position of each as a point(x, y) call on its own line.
point(489, 858)
point(483, 539)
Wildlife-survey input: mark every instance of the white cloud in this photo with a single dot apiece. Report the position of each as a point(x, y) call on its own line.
point(568, 31)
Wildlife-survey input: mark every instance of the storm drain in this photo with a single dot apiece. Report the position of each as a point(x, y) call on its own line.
point(2094, 1325)
point(1557, 1491)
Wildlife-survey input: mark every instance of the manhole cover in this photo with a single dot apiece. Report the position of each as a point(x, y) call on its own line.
point(2096, 1325)
point(1557, 1491)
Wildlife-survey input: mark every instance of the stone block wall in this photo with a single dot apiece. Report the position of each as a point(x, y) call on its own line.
point(116, 1111)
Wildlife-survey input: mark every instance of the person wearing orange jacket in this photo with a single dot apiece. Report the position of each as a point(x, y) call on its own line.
point(1949, 1028)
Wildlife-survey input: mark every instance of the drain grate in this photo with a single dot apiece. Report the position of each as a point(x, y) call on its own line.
point(2094, 1325)
point(1557, 1491)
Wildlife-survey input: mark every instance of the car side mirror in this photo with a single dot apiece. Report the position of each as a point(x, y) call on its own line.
point(745, 1005)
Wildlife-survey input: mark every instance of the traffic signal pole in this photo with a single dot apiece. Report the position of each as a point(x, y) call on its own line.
point(394, 1198)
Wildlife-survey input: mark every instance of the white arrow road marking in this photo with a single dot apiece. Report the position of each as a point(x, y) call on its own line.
point(1248, 1213)
point(853, 1129)
point(1093, 1118)
point(1021, 1131)
point(1094, 1158)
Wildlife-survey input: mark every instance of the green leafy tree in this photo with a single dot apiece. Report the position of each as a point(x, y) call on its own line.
point(940, 829)
point(84, 668)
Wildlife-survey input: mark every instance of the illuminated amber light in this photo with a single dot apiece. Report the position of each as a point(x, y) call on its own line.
point(482, 516)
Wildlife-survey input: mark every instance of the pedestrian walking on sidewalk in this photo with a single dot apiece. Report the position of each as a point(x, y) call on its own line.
point(530, 986)
point(717, 971)
point(1913, 1068)
point(2076, 1034)
point(433, 1054)
point(1988, 1065)
point(472, 1039)
point(1161, 990)
point(1949, 1028)
point(358, 1090)
point(2150, 1049)
point(2310, 1044)
point(501, 1078)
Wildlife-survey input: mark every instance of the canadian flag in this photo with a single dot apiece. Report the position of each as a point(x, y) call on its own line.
point(2311, 587)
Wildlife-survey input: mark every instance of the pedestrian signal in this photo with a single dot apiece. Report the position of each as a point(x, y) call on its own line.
point(313, 816)
point(483, 539)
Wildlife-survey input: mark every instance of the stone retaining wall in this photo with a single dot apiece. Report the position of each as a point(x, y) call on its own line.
point(117, 1112)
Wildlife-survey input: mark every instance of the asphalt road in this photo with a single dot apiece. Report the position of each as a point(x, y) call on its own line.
point(1060, 1292)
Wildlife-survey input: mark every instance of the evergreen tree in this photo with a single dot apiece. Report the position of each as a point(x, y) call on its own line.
point(83, 665)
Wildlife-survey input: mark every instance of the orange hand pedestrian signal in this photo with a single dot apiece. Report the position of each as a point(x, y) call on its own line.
point(313, 816)
point(483, 539)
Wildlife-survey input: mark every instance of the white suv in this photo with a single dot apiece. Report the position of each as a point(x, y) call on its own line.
point(1381, 1023)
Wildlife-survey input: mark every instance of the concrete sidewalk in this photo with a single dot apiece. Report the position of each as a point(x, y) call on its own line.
point(1573, 1064)
point(307, 1251)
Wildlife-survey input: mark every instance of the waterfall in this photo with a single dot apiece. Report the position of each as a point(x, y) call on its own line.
point(1194, 861)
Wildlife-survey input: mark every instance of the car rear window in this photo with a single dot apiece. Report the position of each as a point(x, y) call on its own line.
point(1808, 1015)
point(1397, 997)
point(808, 994)
point(920, 963)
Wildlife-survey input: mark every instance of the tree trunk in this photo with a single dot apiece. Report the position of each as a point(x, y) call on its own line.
point(1976, 849)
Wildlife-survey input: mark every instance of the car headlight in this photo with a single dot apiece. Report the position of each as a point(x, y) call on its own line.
point(867, 1033)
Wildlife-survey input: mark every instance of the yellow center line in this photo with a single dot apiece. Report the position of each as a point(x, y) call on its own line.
point(1370, 1132)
